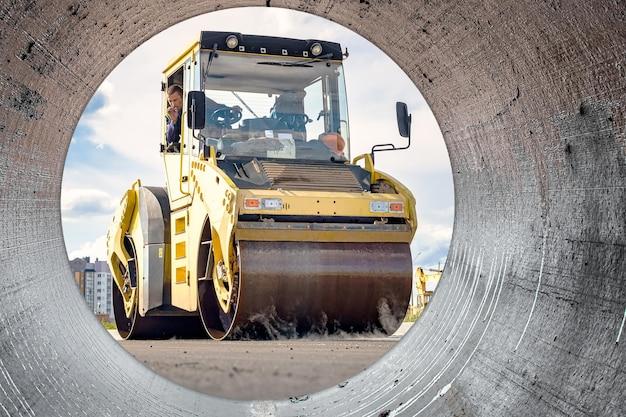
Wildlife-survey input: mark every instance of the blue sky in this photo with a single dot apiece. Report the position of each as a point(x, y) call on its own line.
point(117, 138)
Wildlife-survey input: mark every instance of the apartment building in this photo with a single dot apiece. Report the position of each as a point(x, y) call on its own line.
point(94, 283)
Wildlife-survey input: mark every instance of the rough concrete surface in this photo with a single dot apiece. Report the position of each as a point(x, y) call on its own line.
point(528, 321)
point(262, 370)
point(258, 370)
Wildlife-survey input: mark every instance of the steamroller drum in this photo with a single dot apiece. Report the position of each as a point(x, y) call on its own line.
point(290, 289)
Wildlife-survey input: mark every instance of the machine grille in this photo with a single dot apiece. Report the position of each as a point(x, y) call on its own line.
point(324, 177)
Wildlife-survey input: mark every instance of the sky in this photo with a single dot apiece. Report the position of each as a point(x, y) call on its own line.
point(117, 138)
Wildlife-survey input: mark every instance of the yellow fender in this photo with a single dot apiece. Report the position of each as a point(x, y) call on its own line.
point(117, 256)
point(223, 218)
point(401, 189)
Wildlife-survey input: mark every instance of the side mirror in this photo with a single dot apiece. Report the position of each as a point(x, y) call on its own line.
point(195, 110)
point(404, 126)
point(404, 119)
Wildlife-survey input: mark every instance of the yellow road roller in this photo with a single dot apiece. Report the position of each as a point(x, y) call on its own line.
point(265, 227)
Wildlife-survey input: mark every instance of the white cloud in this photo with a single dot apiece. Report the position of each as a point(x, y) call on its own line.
point(86, 203)
point(125, 123)
point(72, 196)
point(94, 249)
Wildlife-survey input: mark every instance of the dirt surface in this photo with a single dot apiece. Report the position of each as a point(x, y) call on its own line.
point(251, 370)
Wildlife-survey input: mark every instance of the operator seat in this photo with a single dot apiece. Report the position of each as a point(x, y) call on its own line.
point(289, 110)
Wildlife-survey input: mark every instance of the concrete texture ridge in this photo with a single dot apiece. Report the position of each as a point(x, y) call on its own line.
point(529, 317)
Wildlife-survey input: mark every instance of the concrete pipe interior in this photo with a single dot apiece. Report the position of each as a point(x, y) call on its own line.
point(529, 317)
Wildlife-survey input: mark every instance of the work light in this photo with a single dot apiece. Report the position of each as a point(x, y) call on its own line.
point(316, 49)
point(232, 41)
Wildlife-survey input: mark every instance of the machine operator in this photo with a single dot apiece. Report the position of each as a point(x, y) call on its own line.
point(175, 110)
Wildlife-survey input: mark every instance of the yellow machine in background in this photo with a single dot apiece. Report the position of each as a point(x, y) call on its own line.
point(426, 283)
point(265, 227)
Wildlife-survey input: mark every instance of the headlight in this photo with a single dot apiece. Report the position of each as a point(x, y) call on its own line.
point(386, 206)
point(272, 203)
point(379, 206)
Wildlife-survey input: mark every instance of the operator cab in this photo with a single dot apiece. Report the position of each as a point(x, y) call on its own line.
point(264, 97)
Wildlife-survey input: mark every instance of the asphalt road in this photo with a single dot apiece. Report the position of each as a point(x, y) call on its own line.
point(261, 370)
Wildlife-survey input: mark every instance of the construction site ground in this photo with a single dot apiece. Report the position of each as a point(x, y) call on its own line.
point(261, 370)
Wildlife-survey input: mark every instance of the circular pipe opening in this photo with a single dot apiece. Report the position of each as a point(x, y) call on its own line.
point(100, 151)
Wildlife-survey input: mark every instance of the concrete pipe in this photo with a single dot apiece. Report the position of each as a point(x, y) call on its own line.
point(531, 99)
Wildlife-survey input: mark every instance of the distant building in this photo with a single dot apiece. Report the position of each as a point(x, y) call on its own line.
point(102, 300)
point(89, 270)
point(94, 281)
point(78, 266)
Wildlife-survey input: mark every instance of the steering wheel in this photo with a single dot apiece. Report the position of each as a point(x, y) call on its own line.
point(294, 121)
point(225, 116)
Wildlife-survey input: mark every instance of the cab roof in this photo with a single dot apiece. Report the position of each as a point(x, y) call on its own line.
point(270, 45)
